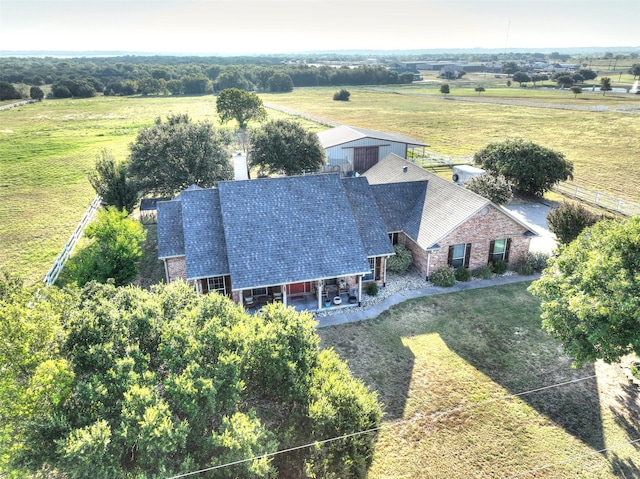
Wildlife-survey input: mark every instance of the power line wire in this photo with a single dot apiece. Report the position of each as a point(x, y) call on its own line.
point(382, 426)
point(571, 459)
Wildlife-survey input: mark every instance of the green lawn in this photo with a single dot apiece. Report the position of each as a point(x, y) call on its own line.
point(443, 366)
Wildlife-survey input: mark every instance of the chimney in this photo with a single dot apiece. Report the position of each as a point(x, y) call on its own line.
point(240, 170)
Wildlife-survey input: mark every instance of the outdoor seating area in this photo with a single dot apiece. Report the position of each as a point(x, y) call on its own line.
point(335, 296)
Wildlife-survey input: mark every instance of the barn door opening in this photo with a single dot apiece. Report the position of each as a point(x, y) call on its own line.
point(365, 157)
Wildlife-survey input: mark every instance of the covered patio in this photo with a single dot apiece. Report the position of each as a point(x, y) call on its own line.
point(334, 293)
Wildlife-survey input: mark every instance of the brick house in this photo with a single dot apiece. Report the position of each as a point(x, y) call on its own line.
point(444, 224)
point(323, 236)
point(317, 237)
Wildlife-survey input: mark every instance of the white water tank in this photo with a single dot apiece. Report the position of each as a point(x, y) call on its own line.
point(462, 173)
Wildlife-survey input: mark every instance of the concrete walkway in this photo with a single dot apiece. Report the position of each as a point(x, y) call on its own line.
point(362, 314)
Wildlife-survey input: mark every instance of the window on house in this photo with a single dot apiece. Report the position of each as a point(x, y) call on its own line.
point(217, 284)
point(372, 270)
point(394, 238)
point(259, 292)
point(459, 255)
point(499, 250)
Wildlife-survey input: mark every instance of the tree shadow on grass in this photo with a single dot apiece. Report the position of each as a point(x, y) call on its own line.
point(506, 343)
point(492, 331)
point(624, 468)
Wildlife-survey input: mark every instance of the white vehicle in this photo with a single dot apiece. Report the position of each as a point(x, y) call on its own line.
point(463, 173)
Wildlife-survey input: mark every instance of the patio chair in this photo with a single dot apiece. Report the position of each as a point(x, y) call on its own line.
point(277, 294)
point(248, 300)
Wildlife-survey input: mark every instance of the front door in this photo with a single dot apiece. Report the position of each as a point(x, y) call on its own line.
point(299, 288)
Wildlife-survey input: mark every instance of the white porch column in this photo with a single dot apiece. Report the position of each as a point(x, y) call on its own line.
point(319, 294)
point(359, 291)
point(283, 288)
point(384, 270)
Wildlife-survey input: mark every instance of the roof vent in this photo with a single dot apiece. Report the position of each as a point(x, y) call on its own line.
point(405, 169)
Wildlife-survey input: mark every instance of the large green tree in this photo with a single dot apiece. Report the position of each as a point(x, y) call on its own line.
point(8, 91)
point(532, 168)
point(171, 156)
point(521, 77)
point(605, 85)
point(590, 292)
point(110, 180)
point(166, 381)
point(239, 105)
point(114, 254)
point(34, 378)
point(285, 147)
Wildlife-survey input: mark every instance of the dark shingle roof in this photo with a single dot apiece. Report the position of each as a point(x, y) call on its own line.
point(370, 223)
point(170, 235)
point(284, 230)
point(401, 205)
point(204, 240)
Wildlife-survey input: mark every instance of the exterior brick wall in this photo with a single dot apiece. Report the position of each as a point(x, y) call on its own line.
point(479, 230)
point(487, 225)
point(176, 268)
point(419, 255)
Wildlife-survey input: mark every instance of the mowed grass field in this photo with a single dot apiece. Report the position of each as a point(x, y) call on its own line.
point(603, 146)
point(467, 380)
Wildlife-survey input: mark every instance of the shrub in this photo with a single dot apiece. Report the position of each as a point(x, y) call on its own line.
point(493, 187)
point(499, 267)
point(537, 259)
point(568, 221)
point(462, 274)
point(401, 261)
point(525, 268)
point(483, 272)
point(443, 277)
point(342, 95)
point(371, 289)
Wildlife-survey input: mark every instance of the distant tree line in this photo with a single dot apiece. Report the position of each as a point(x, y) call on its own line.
point(81, 77)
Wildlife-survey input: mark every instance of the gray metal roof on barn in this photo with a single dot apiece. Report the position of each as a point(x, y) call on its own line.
point(346, 134)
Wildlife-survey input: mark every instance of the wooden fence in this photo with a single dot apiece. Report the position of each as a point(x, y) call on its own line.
point(51, 277)
point(598, 198)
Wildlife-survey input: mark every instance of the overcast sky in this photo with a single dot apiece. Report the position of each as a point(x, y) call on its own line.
point(268, 26)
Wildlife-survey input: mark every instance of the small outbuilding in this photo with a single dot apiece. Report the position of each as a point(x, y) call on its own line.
point(355, 149)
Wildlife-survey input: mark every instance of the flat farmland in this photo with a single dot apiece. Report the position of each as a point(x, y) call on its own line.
point(603, 145)
point(46, 151)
